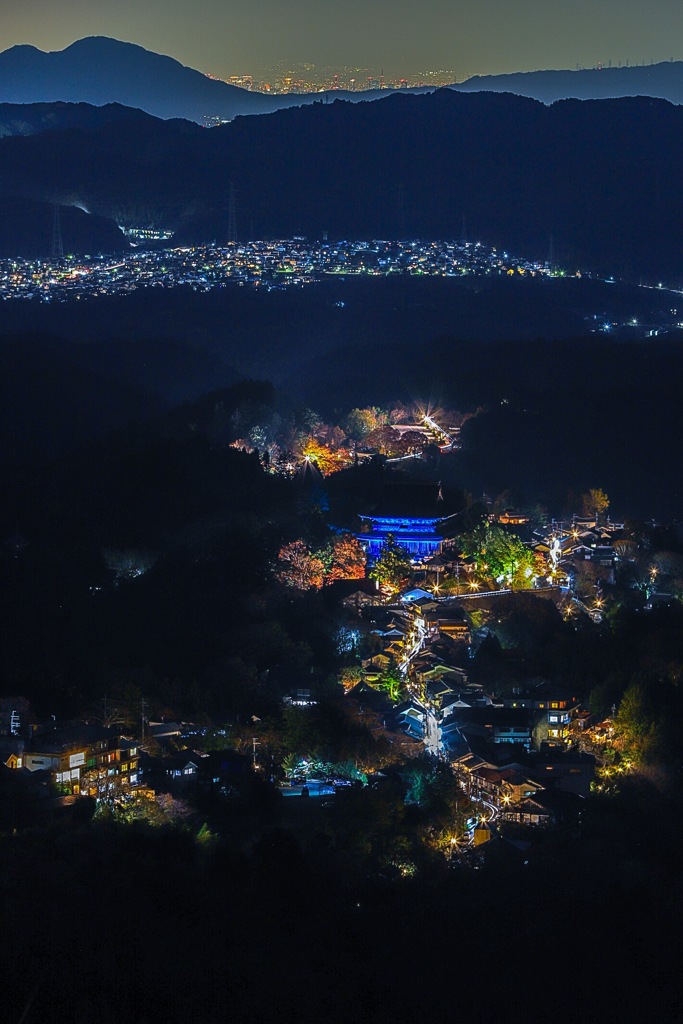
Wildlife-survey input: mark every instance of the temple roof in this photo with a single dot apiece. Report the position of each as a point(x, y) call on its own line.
point(414, 500)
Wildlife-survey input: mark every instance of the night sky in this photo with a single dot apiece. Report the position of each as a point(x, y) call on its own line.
point(402, 37)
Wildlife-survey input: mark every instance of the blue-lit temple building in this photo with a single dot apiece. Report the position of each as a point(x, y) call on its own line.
point(411, 513)
point(418, 536)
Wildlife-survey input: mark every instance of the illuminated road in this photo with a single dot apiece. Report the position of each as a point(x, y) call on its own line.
point(448, 441)
point(432, 740)
point(492, 809)
point(415, 647)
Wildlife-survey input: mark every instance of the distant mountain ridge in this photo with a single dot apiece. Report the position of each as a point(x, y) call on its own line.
point(34, 118)
point(661, 81)
point(99, 70)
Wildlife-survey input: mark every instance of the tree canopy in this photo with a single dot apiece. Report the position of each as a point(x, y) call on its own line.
point(393, 567)
point(500, 555)
point(594, 502)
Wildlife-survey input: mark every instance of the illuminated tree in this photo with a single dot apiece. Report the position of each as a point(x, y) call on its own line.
point(540, 564)
point(626, 549)
point(327, 459)
point(402, 413)
point(392, 569)
point(311, 421)
point(298, 567)
point(205, 837)
point(360, 422)
point(385, 440)
point(161, 810)
point(348, 559)
point(393, 443)
point(594, 502)
point(634, 724)
point(412, 442)
point(332, 436)
point(434, 787)
point(350, 676)
point(500, 555)
point(175, 809)
point(392, 684)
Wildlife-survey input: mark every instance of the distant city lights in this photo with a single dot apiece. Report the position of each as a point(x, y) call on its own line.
point(274, 264)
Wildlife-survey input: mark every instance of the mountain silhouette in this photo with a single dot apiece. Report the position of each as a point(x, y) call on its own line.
point(33, 118)
point(663, 81)
point(99, 70)
point(598, 182)
point(29, 228)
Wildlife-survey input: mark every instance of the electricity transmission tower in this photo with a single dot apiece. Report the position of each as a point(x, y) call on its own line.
point(232, 221)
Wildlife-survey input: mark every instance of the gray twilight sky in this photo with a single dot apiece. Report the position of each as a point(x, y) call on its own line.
point(403, 37)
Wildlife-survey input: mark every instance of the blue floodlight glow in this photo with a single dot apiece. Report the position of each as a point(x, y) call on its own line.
point(418, 536)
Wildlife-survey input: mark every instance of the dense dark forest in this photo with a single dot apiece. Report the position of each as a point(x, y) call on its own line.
point(157, 926)
point(559, 409)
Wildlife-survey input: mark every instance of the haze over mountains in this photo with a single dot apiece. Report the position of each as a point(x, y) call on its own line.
point(100, 70)
point(34, 118)
point(594, 184)
point(663, 81)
